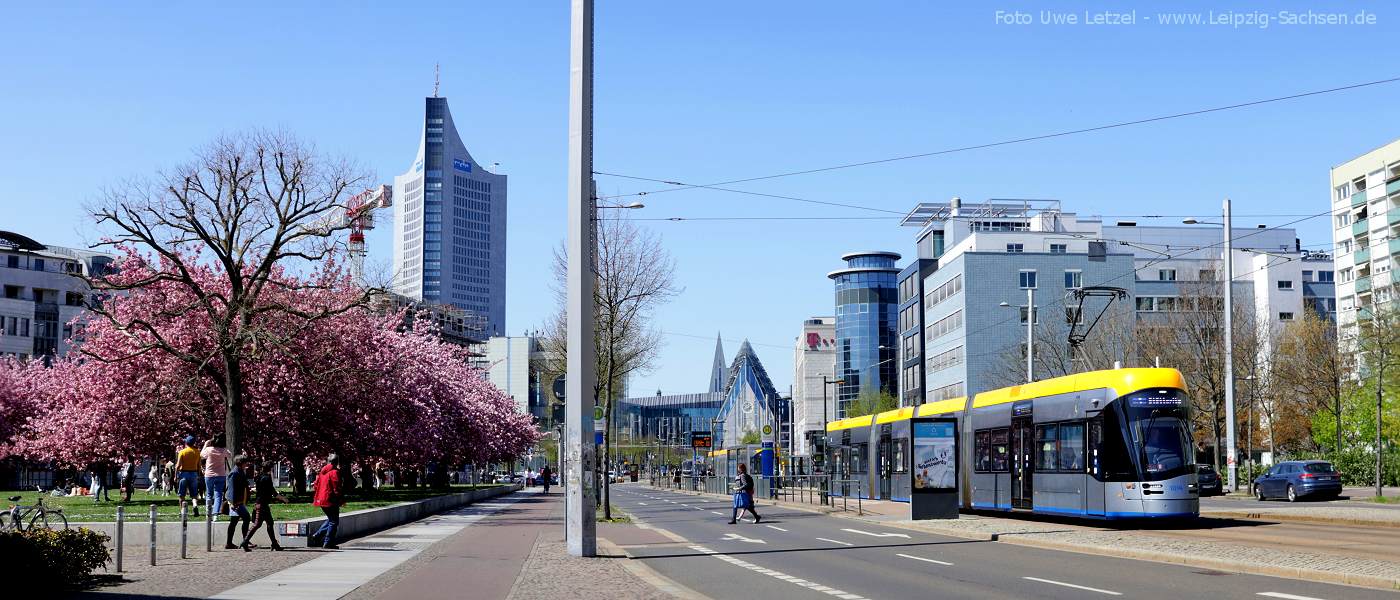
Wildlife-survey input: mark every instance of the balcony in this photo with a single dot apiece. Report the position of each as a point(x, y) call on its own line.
point(1363, 285)
point(1361, 256)
point(1358, 198)
point(1359, 228)
point(1393, 216)
point(1395, 246)
point(1392, 187)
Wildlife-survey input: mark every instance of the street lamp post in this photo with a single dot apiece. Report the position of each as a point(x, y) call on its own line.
point(580, 531)
point(1230, 458)
point(1030, 332)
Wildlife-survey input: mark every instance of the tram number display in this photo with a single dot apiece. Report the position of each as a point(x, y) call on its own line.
point(701, 440)
point(935, 455)
point(1155, 399)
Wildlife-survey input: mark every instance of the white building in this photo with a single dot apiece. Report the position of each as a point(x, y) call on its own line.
point(813, 356)
point(41, 295)
point(1366, 235)
point(450, 225)
point(513, 365)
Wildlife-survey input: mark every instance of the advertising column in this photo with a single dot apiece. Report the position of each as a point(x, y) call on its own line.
point(935, 468)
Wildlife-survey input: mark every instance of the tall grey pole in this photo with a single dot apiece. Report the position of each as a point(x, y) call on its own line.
point(1030, 334)
point(1229, 353)
point(581, 381)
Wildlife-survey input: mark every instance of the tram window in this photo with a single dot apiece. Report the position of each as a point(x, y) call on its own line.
point(859, 457)
point(1000, 451)
point(901, 452)
point(1114, 460)
point(983, 447)
point(1045, 447)
point(1072, 447)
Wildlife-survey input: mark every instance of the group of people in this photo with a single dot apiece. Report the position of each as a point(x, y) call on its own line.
point(230, 483)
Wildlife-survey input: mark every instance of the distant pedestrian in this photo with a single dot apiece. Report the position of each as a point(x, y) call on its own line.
point(97, 473)
point(187, 473)
point(545, 475)
point(128, 478)
point(236, 484)
point(153, 477)
point(216, 459)
point(743, 495)
point(263, 495)
point(329, 497)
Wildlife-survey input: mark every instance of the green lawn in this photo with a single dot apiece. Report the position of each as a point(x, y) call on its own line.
point(83, 509)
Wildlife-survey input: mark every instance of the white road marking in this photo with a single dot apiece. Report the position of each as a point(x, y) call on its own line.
point(717, 512)
point(876, 534)
point(1077, 587)
point(642, 503)
point(1287, 596)
point(836, 542)
point(774, 527)
point(930, 560)
point(779, 575)
point(739, 538)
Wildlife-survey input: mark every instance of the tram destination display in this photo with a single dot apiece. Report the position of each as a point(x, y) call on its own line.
point(934, 466)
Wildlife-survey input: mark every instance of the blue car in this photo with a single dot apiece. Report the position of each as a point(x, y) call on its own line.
point(1296, 479)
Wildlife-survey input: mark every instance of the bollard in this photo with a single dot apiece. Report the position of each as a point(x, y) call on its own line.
point(153, 535)
point(121, 522)
point(184, 531)
point(208, 531)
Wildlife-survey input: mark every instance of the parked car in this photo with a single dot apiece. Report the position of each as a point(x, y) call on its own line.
point(1296, 479)
point(1208, 481)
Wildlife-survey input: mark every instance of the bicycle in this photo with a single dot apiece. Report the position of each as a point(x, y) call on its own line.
point(37, 514)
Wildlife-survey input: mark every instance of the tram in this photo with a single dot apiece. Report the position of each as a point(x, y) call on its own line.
point(1110, 444)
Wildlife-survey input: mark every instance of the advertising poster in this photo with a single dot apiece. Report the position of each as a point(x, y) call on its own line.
point(935, 456)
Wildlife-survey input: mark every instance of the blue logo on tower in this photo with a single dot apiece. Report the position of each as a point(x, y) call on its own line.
point(461, 165)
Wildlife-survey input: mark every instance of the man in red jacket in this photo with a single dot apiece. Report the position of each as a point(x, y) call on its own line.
point(330, 498)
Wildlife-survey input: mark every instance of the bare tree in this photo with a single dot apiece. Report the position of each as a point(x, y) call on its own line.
point(1110, 340)
point(636, 275)
point(1309, 368)
point(248, 205)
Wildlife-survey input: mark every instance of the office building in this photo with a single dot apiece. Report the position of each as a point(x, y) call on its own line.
point(813, 357)
point(866, 318)
point(911, 329)
point(993, 256)
point(1366, 235)
point(450, 225)
point(515, 366)
point(666, 420)
point(42, 295)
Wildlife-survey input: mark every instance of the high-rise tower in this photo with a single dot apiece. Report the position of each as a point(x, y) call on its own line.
point(450, 227)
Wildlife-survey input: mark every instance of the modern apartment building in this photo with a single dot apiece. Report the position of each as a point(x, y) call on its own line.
point(992, 257)
point(450, 226)
point(1366, 235)
point(515, 366)
point(866, 317)
point(41, 295)
point(813, 356)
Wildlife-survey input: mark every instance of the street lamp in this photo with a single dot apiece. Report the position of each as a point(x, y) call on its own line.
point(629, 205)
point(1030, 332)
point(1229, 344)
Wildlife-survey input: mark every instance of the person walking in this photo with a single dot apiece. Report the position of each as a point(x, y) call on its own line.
point(743, 495)
point(97, 473)
point(263, 494)
point(236, 484)
point(187, 473)
point(216, 469)
point(153, 477)
point(545, 474)
point(128, 478)
point(329, 497)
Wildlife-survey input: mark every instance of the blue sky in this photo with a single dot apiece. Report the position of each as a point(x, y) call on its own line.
point(98, 92)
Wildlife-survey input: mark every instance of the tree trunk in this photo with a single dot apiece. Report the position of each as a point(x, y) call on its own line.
point(233, 401)
point(1380, 380)
point(607, 445)
point(298, 460)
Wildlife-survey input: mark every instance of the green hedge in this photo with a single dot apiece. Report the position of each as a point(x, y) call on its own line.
point(67, 556)
point(1358, 465)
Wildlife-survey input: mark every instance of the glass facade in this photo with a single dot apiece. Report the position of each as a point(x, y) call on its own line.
point(867, 300)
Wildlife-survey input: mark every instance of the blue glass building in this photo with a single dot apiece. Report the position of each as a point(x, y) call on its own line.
point(867, 300)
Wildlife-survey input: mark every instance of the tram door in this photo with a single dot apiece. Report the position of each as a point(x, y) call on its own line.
point(1093, 488)
point(886, 466)
point(1022, 467)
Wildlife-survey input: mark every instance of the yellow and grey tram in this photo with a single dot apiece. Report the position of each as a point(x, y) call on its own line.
point(1103, 444)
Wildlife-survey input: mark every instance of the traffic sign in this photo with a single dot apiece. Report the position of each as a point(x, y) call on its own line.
point(767, 430)
point(597, 413)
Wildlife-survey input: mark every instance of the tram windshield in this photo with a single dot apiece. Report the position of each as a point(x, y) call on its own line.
point(1162, 433)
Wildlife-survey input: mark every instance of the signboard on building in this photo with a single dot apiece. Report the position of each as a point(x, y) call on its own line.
point(701, 440)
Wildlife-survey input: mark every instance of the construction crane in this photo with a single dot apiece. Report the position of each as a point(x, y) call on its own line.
point(357, 215)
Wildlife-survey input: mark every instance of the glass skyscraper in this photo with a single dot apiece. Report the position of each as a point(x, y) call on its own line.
point(867, 300)
point(450, 226)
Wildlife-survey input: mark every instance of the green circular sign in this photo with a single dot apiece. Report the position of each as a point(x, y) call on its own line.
point(767, 430)
point(597, 413)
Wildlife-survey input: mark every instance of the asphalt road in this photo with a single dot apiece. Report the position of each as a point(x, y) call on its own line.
point(1242, 503)
point(797, 554)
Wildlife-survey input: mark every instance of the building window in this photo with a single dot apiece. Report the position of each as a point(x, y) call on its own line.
point(1325, 276)
point(1027, 280)
point(1059, 248)
point(1285, 316)
point(1206, 275)
point(1023, 316)
point(1307, 276)
point(1166, 274)
point(1073, 316)
point(1285, 284)
point(1015, 248)
point(1074, 280)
